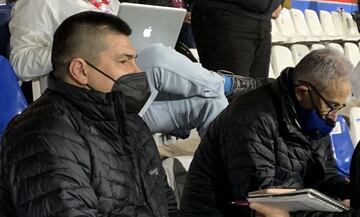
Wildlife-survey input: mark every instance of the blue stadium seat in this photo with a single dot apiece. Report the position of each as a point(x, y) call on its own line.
point(342, 146)
point(12, 100)
point(5, 15)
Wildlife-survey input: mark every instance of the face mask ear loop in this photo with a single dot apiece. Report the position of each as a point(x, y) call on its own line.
point(94, 67)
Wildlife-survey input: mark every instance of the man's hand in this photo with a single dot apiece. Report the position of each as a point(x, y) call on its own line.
point(273, 191)
point(346, 203)
point(188, 18)
point(268, 211)
point(277, 12)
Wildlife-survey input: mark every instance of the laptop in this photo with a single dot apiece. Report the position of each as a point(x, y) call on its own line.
point(152, 24)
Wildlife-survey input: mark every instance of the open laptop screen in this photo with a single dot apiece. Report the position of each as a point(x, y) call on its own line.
point(152, 24)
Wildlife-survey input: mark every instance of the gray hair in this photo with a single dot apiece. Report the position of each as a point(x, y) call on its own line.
point(322, 65)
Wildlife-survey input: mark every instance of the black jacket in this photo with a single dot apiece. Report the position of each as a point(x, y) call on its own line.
point(256, 143)
point(260, 9)
point(76, 152)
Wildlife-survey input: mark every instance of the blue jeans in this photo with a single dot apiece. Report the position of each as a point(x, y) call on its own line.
point(184, 95)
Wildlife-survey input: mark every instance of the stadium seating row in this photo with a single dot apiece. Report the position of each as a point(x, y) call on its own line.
point(282, 57)
point(294, 26)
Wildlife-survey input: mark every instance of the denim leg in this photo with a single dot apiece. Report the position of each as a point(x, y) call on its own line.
point(184, 94)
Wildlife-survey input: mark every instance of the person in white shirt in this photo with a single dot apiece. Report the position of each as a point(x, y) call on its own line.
point(191, 96)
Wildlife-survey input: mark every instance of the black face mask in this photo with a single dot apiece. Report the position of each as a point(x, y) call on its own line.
point(134, 87)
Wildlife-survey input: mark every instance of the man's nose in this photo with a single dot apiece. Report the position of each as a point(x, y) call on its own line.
point(332, 116)
point(135, 67)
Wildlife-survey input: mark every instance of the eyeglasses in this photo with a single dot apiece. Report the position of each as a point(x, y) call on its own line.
point(332, 108)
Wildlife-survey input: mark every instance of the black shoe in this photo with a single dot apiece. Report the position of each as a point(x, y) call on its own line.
point(240, 84)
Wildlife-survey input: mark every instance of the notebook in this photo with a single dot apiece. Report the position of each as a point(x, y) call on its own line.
point(152, 24)
point(300, 200)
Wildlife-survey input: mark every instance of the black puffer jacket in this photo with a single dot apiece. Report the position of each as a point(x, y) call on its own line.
point(76, 152)
point(255, 143)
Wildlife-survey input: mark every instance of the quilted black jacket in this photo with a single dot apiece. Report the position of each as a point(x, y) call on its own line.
point(256, 143)
point(76, 152)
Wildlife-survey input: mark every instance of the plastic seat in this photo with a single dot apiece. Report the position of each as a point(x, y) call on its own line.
point(195, 53)
point(328, 26)
point(301, 26)
point(5, 15)
point(355, 124)
point(280, 59)
point(12, 100)
point(355, 81)
point(342, 146)
point(350, 26)
point(276, 35)
point(317, 46)
point(298, 52)
point(339, 25)
point(176, 169)
point(352, 53)
point(286, 27)
point(271, 72)
point(337, 47)
point(314, 25)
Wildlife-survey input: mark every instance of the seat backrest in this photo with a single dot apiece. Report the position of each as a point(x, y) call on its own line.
point(298, 52)
point(176, 169)
point(327, 23)
point(271, 72)
point(337, 47)
point(276, 35)
point(12, 100)
point(338, 22)
point(317, 46)
point(299, 21)
point(355, 124)
point(342, 145)
point(5, 15)
point(352, 53)
point(313, 23)
point(350, 24)
point(285, 24)
point(280, 59)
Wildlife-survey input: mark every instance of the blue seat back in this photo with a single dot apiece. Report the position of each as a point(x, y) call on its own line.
point(12, 101)
point(5, 16)
point(342, 146)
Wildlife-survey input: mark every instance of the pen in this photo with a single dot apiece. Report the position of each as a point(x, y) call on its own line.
point(240, 202)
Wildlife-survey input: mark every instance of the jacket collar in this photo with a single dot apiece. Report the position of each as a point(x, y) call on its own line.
point(285, 104)
point(104, 109)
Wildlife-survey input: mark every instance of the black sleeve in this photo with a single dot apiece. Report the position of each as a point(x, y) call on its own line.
point(46, 176)
point(350, 213)
point(334, 184)
point(355, 178)
point(250, 154)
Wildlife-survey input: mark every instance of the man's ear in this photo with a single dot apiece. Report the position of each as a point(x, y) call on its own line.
point(78, 72)
point(301, 92)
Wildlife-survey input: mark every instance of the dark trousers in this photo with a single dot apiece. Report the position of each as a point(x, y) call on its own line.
point(227, 40)
point(186, 36)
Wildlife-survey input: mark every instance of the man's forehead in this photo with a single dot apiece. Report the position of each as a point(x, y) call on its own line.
point(337, 90)
point(120, 45)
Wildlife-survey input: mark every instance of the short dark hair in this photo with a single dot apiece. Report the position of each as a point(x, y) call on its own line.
point(82, 35)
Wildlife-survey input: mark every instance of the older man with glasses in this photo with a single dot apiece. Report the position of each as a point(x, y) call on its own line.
point(273, 137)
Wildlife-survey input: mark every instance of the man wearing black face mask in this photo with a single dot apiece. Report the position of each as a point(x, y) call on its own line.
point(273, 137)
point(82, 149)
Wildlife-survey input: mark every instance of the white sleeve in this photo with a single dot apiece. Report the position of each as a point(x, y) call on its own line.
point(32, 27)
